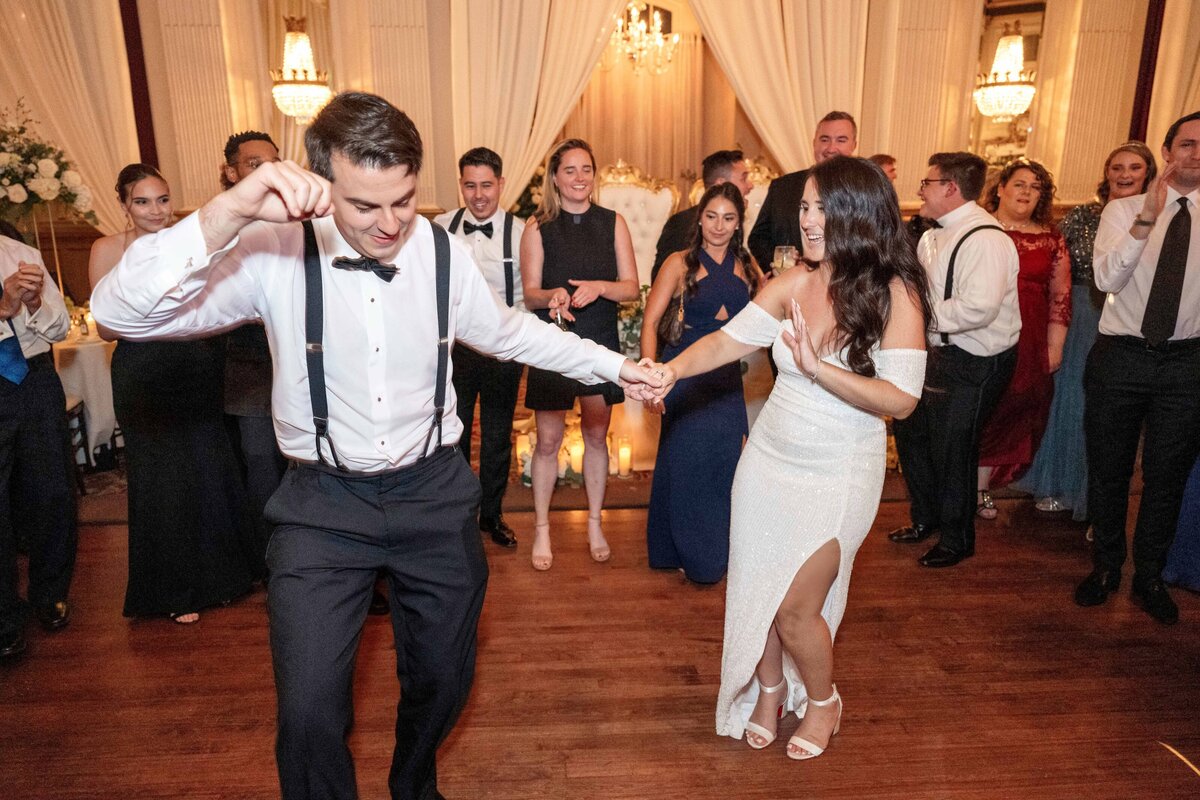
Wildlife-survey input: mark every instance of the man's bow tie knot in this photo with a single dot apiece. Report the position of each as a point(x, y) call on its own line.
point(485, 228)
point(385, 272)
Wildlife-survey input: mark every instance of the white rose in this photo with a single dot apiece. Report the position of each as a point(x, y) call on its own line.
point(47, 168)
point(17, 194)
point(6, 159)
point(72, 179)
point(45, 188)
point(83, 200)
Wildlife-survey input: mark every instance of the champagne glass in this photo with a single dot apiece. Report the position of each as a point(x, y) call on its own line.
point(784, 259)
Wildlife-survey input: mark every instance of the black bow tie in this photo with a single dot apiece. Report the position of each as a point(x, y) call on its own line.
point(385, 272)
point(485, 228)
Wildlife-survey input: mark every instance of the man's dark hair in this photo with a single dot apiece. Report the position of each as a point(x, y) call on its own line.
point(719, 166)
point(367, 130)
point(834, 116)
point(1176, 125)
point(882, 159)
point(238, 139)
point(481, 157)
point(967, 170)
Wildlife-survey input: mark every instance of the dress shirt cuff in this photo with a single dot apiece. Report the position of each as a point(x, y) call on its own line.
point(1130, 250)
point(43, 322)
point(186, 259)
point(608, 365)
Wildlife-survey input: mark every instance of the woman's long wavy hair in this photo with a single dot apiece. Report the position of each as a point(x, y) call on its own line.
point(867, 247)
point(1140, 150)
point(691, 258)
point(1041, 212)
point(551, 204)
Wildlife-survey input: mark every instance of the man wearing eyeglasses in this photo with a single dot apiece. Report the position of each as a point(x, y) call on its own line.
point(972, 266)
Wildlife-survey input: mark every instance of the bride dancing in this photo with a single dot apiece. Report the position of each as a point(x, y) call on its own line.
point(848, 334)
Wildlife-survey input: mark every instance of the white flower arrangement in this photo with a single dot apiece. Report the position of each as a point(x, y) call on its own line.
point(33, 172)
point(629, 324)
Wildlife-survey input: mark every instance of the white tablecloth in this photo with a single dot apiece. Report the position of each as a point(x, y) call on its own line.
point(83, 366)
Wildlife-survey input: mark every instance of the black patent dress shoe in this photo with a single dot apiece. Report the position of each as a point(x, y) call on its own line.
point(53, 616)
point(379, 604)
point(1155, 600)
point(12, 645)
point(910, 534)
point(498, 529)
point(1096, 587)
point(941, 556)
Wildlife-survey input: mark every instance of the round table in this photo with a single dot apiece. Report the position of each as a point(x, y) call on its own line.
point(82, 363)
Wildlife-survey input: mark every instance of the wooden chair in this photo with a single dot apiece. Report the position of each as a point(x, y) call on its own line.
point(645, 203)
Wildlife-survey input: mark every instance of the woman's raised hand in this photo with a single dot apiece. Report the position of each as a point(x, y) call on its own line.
point(801, 343)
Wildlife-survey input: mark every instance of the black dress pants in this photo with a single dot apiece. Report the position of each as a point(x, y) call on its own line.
point(1127, 386)
point(938, 444)
point(495, 384)
point(35, 462)
point(334, 532)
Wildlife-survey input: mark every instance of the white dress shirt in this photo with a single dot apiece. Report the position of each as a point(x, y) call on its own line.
point(51, 322)
point(1125, 267)
point(380, 339)
point(489, 251)
point(982, 315)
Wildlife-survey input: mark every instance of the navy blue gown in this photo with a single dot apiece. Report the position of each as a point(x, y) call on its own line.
point(1183, 560)
point(701, 441)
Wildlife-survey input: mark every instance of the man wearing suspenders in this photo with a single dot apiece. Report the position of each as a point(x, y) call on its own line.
point(361, 308)
point(494, 238)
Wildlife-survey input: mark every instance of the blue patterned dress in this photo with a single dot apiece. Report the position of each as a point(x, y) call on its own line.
point(701, 440)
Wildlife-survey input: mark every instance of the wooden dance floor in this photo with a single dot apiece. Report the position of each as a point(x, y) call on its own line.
point(598, 681)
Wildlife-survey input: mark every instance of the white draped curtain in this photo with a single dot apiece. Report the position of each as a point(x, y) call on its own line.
point(1177, 75)
point(518, 69)
point(665, 140)
point(790, 62)
point(67, 60)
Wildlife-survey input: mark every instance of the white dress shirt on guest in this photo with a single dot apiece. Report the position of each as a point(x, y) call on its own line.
point(380, 339)
point(51, 322)
point(489, 251)
point(982, 315)
point(1125, 266)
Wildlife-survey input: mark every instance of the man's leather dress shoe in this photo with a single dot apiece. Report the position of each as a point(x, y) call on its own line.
point(1096, 587)
point(1155, 600)
point(941, 556)
point(53, 616)
point(500, 532)
point(910, 534)
point(12, 645)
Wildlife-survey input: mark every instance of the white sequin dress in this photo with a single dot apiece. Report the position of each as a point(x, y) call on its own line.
point(812, 470)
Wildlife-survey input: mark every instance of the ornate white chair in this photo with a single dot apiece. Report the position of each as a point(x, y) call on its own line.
point(760, 176)
point(644, 202)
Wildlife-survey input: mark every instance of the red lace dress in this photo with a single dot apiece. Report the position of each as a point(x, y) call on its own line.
point(1010, 438)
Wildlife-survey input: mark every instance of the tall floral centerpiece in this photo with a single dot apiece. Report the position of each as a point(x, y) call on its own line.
point(36, 173)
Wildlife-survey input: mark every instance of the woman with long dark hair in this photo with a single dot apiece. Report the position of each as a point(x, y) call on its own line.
point(186, 509)
point(704, 421)
point(577, 265)
point(1021, 201)
point(848, 333)
point(1058, 475)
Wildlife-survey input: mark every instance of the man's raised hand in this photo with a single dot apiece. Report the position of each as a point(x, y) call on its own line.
point(278, 191)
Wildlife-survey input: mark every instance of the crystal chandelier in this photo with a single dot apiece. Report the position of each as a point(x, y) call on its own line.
point(300, 91)
point(639, 37)
point(1007, 91)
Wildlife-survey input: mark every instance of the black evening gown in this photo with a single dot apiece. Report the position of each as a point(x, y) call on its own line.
point(187, 515)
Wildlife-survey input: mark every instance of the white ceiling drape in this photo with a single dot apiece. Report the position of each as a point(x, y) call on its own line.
point(519, 68)
point(67, 60)
point(790, 62)
point(1177, 74)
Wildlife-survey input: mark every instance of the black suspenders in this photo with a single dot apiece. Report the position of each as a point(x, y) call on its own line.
point(950, 267)
point(314, 355)
point(508, 256)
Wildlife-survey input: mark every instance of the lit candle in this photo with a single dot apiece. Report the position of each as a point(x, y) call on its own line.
point(624, 458)
point(522, 447)
point(576, 450)
point(91, 322)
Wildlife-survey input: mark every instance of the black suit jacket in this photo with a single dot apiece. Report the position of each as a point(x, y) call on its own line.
point(778, 221)
point(676, 235)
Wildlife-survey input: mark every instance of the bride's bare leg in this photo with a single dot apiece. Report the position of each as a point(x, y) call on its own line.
point(769, 672)
point(806, 637)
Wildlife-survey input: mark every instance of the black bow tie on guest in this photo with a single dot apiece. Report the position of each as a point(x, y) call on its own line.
point(485, 228)
point(385, 272)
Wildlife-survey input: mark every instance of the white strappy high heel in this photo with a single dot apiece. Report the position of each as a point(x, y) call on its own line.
point(811, 749)
point(759, 730)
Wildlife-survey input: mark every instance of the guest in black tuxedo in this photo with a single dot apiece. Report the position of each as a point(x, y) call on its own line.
point(723, 166)
point(1144, 369)
point(778, 221)
point(33, 447)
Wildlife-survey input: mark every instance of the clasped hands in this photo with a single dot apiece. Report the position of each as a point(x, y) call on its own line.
point(586, 293)
point(23, 287)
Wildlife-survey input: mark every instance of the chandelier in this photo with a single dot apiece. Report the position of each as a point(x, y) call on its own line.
point(1007, 91)
point(639, 37)
point(300, 91)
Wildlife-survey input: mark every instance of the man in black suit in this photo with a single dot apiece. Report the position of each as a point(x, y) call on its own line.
point(723, 166)
point(778, 222)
